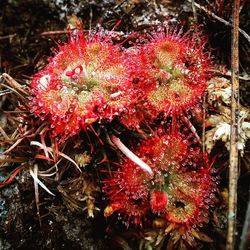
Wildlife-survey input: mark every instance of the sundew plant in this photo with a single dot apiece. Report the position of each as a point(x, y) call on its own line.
point(122, 121)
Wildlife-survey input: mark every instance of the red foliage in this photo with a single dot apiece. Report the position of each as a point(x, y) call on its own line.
point(90, 79)
point(158, 201)
point(190, 196)
point(172, 70)
point(128, 192)
point(164, 150)
point(85, 81)
point(180, 192)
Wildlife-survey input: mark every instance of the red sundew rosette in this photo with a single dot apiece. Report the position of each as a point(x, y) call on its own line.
point(181, 193)
point(85, 81)
point(190, 195)
point(184, 184)
point(54, 102)
point(178, 70)
point(128, 193)
point(185, 190)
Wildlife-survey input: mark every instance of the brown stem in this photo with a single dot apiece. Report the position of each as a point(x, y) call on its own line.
point(55, 32)
point(233, 166)
point(13, 83)
point(7, 36)
point(194, 11)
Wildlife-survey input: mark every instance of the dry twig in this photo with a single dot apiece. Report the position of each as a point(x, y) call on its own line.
point(220, 19)
point(7, 36)
point(13, 83)
point(55, 32)
point(233, 170)
point(194, 11)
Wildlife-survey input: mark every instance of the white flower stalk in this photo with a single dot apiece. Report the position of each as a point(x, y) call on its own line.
point(145, 167)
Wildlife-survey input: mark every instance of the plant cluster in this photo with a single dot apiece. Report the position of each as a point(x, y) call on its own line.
point(152, 90)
